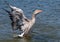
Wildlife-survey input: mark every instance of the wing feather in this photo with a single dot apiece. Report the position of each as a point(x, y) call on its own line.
point(17, 17)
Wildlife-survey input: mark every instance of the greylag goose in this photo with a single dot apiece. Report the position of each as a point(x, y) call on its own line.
point(20, 21)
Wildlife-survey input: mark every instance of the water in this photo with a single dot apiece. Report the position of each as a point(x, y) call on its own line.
point(46, 28)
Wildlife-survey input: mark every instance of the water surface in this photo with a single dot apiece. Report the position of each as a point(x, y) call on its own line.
point(46, 28)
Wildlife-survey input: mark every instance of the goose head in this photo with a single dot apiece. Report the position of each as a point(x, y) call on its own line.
point(36, 12)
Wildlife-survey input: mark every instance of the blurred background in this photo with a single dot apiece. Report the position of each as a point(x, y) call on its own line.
point(46, 28)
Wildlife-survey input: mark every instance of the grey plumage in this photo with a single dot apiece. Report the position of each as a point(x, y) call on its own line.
point(19, 20)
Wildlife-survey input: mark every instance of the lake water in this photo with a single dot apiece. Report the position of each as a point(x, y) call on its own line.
point(46, 28)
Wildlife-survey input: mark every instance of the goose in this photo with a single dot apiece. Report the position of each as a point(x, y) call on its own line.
point(20, 21)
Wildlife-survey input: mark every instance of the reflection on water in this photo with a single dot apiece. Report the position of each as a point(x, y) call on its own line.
point(46, 28)
point(25, 39)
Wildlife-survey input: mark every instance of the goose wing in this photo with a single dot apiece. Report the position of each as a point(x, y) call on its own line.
point(17, 17)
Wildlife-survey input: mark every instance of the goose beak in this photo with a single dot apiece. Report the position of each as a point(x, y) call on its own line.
point(37, 11)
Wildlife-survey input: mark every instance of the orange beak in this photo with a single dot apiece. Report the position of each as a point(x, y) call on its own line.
point(37, 11)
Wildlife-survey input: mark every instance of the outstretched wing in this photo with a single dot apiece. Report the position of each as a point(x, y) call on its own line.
point(17, 9)
point(17, 17)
